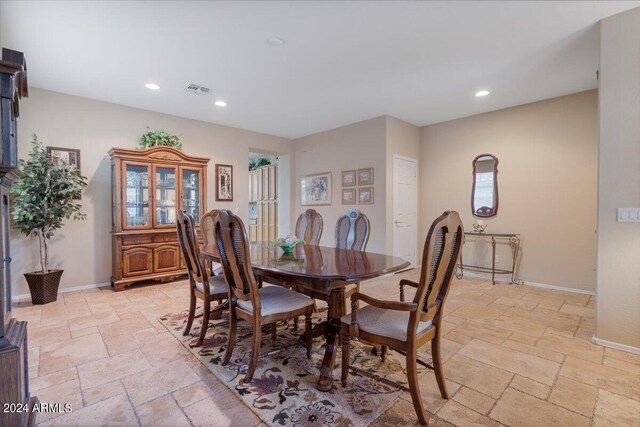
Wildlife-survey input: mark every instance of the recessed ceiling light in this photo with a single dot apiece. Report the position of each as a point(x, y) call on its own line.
point(482, 93)
point(275, 41)
point(220, 103)
point(152, 86)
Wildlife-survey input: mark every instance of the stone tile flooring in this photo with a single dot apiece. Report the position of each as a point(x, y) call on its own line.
point(515, 355)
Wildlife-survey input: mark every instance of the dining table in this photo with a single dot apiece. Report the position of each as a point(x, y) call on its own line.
point(320, 272)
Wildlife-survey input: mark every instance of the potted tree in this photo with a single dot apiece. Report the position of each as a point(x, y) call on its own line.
point(43, 197)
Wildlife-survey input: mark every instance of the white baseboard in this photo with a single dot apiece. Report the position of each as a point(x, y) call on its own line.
point(615, 345)
point(65, 290)
point(534, 284)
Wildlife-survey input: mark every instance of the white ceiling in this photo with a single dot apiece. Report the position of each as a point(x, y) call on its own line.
point(342, 62)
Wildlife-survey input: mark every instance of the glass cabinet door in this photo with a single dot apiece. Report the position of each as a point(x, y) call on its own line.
point(165, 196)
point(191, 193)
point(137, 195)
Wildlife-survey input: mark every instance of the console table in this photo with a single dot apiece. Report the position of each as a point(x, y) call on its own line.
point(513, 239)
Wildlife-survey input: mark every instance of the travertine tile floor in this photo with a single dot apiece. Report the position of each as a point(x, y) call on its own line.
point(515, 355)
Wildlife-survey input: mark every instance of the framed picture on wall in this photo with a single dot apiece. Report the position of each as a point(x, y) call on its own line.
point(365, 196)
point(349, 178)
point(315, 189)
point(365, 176)
point(224, 183)
point(65, 155)
point(70, 156)
point(348, 196)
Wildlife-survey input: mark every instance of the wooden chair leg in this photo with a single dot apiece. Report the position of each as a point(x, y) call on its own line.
point(358, 290)
point(295, 324)
point(233, 327)
point(274, 331)
point(192, 314)
point(205, 322)
point(255, 351)
point(383, 353)
point(437, 365)
point(308, 337)
point(346, 349)
point(414, 388)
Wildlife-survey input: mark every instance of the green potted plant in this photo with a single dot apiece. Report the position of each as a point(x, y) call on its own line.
point(159, 138)
point(45, 195)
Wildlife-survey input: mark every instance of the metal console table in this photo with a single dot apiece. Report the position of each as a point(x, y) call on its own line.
point(514, 243)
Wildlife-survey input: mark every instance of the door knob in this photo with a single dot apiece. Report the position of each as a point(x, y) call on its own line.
point(397, 221)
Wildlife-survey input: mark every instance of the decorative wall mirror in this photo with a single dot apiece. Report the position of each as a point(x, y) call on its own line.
point(484, 193)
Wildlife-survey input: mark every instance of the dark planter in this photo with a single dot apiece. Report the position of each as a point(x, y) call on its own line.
point(44, 286)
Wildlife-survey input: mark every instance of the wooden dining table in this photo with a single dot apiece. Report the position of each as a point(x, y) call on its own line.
point(323, 273)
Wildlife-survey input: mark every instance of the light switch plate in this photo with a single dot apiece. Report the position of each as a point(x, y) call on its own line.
point(628, 214)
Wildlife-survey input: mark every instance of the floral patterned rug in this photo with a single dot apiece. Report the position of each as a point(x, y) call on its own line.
point(283, 390)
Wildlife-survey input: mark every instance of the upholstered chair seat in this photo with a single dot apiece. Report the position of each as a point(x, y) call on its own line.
point(276, 299)
point(385, 323)
point(217, 285)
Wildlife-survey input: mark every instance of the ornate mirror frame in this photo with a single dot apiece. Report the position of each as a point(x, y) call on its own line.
point(484, 211)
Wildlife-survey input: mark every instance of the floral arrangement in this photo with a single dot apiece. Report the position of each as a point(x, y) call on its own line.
point(287, 244)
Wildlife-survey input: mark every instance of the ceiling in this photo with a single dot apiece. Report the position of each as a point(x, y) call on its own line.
point(342, 61)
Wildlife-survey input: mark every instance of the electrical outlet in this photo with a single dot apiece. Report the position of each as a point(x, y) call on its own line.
point(497, 259)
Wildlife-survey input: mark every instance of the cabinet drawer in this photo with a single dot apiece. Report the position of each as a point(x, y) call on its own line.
point(165, 238)
point(135, 240)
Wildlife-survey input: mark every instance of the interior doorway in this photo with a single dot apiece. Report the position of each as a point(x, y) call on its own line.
point(268, 196)
point(405, 196)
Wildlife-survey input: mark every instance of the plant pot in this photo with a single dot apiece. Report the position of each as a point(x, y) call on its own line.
point(44, 286)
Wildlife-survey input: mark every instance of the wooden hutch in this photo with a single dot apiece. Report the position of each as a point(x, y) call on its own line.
point(14, 364)
point(148, 187)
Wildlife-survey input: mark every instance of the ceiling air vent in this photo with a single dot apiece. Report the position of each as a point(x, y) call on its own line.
point(197, 89)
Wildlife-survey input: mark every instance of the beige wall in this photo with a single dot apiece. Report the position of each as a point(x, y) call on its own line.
point(618, 289)
point(547, 183)
point(403, 139)
point(359, 145)
point(83, 249)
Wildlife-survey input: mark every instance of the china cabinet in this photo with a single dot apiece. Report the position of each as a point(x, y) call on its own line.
point(263, 190)
point(14, 352)
point(148, 187)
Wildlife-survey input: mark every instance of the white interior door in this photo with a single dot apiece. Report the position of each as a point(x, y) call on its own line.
point(405, 195)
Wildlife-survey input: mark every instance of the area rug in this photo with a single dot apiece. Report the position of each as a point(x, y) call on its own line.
point(283, 390)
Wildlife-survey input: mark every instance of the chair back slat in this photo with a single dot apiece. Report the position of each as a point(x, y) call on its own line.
point(441, 252)
point(309, 227)
point(352, 231)
point(206, 226)
point(233, 247)
point(188, 239)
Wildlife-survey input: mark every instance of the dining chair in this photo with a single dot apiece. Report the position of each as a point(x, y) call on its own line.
point(352, 232)
point(309, 227)
point(406, 326)
point(201, 285)
point(206, 227)
point(259, 306)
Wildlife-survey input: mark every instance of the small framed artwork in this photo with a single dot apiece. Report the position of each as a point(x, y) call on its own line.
point(365, 176)
point(349, 178)
point(315, 189)
point(365, 196)
point(224, 183)
point(65, 155)
point(348, 196)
